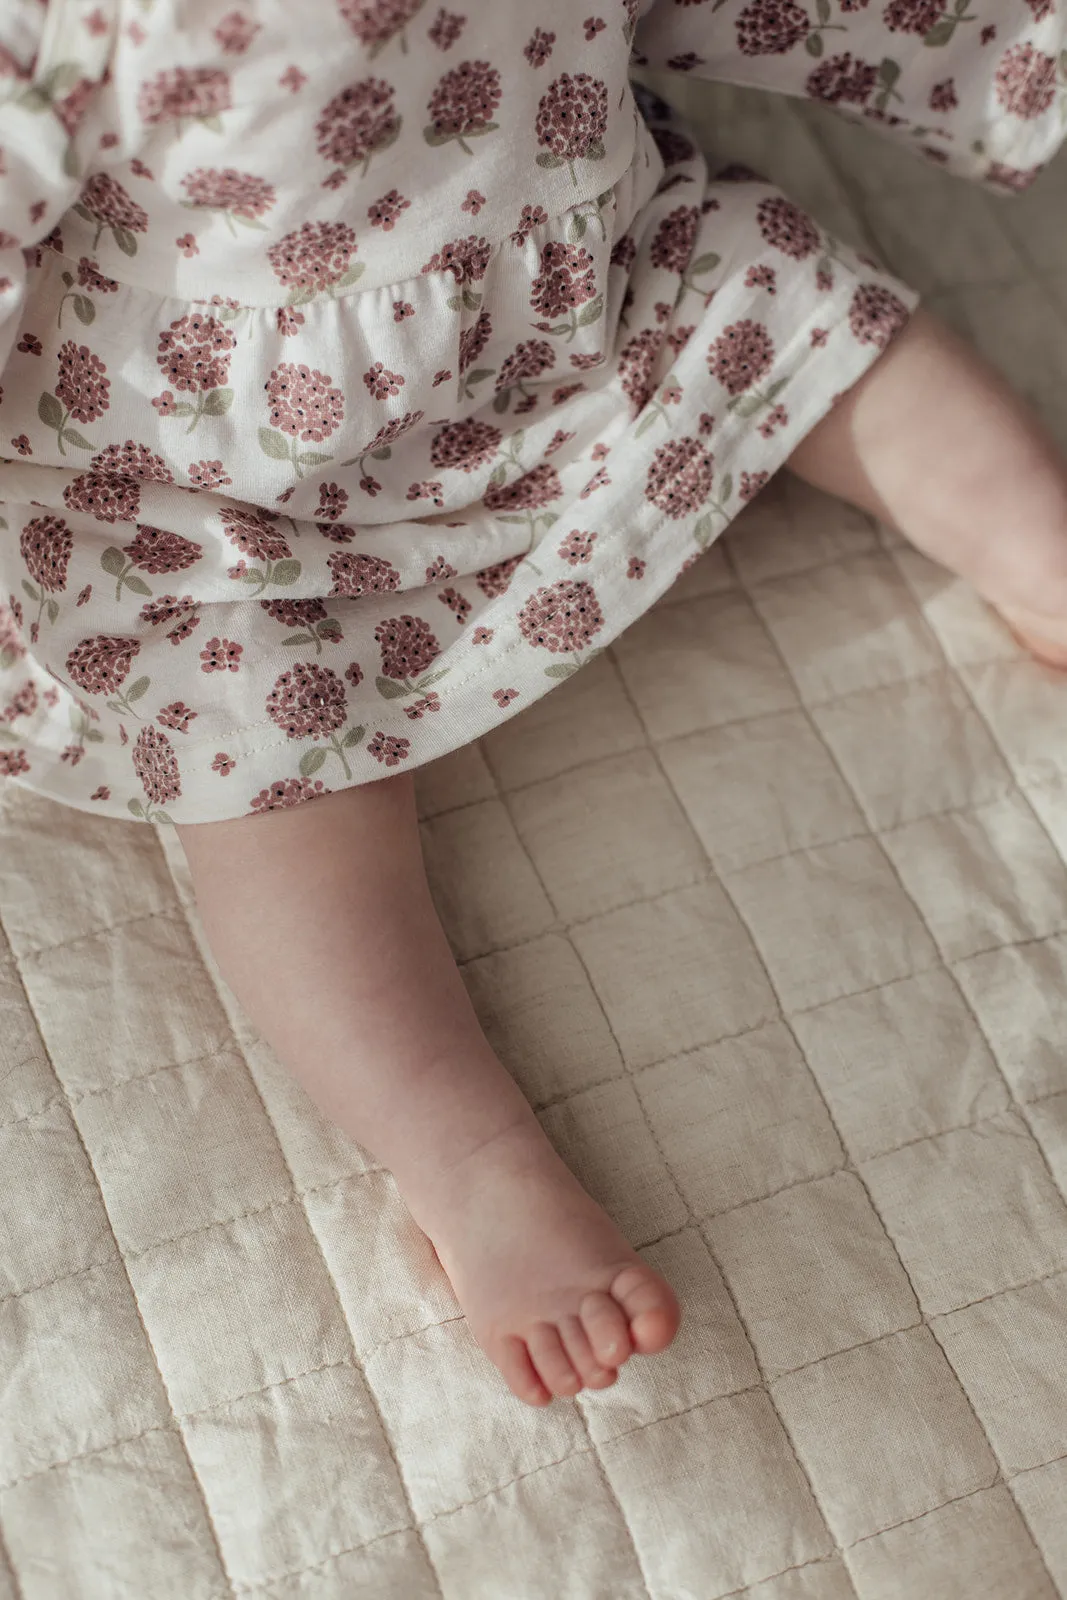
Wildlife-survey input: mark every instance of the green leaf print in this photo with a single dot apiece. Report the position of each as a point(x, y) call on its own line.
point(28, 589)
point(561, 669)
point(576, 228)
point(703, 530)
point(50, 411)
point(940, 33)
point(72, 166)
point(136, 690)
point(126, 241)
point(273, 444)
point(545, 158)
point(283, 573)
point(703, 263)
point(888, 73)
point(112, 561)
point(596, 151)
point(217, 402)
point(432, 677)
point(94, 736)
point(53, 610)
point(298, 638)
point(136, 807)
point(389, 689)
point(384, 454)
point(813, 44)
point(354, 273)
point(352, 737)
point(822, 10)
point(311, 761)
point(592, 312)
point(72, 436)
point(726, 488)
point(137, 584)
point(312, 458)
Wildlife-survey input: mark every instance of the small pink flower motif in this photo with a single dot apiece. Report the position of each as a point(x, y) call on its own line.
point(38, 209)
point(706, 424)
point(558, 438)
point(429, 489)
point(429, 702)
point(388, 749)
point(539, 47)
point(29, 345)
point(401, 310)
point(336, 179)
point(237, 571)
point(819, 337)
point(164, 403)
point(671, 394)
point(988, 34)
point(446, 29)
point(220, 655)
point(177, 716)
point(504, 697)
point(84, 595)
point(600, 452)
point(51, 698)
point(662, 311)
point(108, 141)
point(136, 33)
point(482, 635)
point(751, 484)
point(293, 80)
point(440, 570)
point(22, 445)
point(636, 568)
point(288, 321)
point(235, 33)
point(762, 278)
point(223, 764)
point(474, 202)
point(381, 382)
point(187, 245)
point(354, 674)
point(73, 753)
point(102, 793)
point(824, 279)
point(577, 548)
point(599, 480)
point(775, 419)
point(456, 603)
point(139, 169)
point(96, 24)
point(593, 26)
point(370, 486)
point(442, 376)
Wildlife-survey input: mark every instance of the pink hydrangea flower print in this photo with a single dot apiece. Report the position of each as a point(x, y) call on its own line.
point(104, 201)
point(82, 392)
point(156, 764)
point(287, 792)
point(182, 93)
point(679, 479)
point(354, 574)
point(771, 27)
point(876, 315)
point(467, 445)
point(194, 356)
point(741, 355)
point(101, 665)
point(564, 617)
point(304, 406)
point(462, 105)
point(177, 717)
point(376, 22)
point(1026, 81)
point(357, 125)
point(577, 548)
point(572, 120)
point(408, 646)
point(240, 197)
point(314, 259)
point(496, 580)
point(235, 33)
point(567, 281)
point(388, 749)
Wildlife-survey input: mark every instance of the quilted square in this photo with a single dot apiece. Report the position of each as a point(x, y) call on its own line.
point(482, 1440)
point(603, 1136)
point(968, 630)
point(933, 751)
point(115, 1005)
point(227, 1163)
point(325, 1476)
point(731, 1454)
point(1023, 704)
point(1041, 1496)
point(1010, 1354)
point(87, 1518)
point(759, 789)
point(542, 1016)
point(237, 1307)
point(852, 625)
point(29, 1082)
point(843, 897)
point(585, 719)
point(983, 877)
point(63, 1396)
point(486, 892)
point(900, 1062)
point(496, 1542)
point(793, 527)
point(978, 1545)
point(885, 1433)
point(701, 664)
point(1019, 995)
point(674, 973)
point(710, 574)
point(52, 1219)
point(588, 834)
point(739, 1119)
point(1007, 1223)
point(812, 1272)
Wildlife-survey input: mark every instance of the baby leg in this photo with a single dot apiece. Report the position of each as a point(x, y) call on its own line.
point(321, 920)
point(935, 443)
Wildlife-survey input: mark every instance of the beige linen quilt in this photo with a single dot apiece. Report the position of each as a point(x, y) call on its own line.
point(767, 910)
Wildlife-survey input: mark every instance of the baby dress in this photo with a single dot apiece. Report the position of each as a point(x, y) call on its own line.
point(369, 365)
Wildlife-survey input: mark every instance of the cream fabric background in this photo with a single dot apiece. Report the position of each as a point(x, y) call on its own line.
point(768, 911)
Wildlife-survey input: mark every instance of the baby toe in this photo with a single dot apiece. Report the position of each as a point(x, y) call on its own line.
point(551, 1360)
point(520, 1374)
point(649, 1305)
point(576, 1343)
point(606, 1328)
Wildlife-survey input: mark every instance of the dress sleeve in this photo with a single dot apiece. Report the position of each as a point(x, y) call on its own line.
point(53, 59)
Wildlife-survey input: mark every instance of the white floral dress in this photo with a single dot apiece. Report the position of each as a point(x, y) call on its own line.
point(369, 365)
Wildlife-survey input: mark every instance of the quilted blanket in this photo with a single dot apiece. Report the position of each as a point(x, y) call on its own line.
point(767, 911)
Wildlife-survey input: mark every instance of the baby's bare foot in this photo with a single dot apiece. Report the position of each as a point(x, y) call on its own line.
point(553, 1293)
